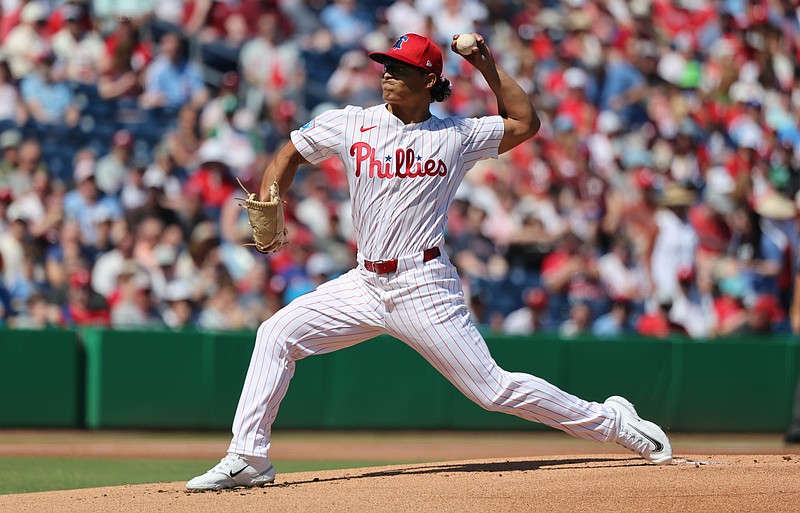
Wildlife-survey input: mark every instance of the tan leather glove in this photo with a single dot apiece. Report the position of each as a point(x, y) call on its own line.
point(266, 220)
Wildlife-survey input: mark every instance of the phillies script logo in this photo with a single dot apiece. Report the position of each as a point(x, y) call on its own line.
point(404, 164)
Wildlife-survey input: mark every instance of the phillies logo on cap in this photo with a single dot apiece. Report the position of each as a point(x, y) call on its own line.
point(415, 50)
point(399, 43)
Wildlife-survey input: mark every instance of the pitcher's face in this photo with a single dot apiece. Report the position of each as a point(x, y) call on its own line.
point(403, 84)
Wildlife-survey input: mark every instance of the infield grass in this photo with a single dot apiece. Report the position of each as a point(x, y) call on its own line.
point(25, 475)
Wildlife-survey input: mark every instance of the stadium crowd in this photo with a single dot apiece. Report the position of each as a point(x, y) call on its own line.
point(659, 198)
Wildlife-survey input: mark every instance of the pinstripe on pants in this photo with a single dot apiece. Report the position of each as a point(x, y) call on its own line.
point(422, 305)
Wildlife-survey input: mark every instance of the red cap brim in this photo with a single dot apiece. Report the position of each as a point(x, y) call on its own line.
point(381, 57)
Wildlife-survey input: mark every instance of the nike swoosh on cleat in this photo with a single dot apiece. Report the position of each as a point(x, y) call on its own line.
point(659, 445)
point(234, 474)
point(364, 129)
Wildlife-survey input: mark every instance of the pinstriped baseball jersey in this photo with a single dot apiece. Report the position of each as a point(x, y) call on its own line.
point(402, 177)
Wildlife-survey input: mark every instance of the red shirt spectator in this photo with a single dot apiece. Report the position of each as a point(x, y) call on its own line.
point(83, 305)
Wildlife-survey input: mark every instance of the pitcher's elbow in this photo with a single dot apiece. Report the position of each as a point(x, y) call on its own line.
point(534, 126)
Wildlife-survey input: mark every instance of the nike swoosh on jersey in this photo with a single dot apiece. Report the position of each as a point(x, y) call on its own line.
point(364, 129)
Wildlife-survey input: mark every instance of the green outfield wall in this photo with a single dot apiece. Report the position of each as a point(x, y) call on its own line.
point(41, 378)
point(150, 379)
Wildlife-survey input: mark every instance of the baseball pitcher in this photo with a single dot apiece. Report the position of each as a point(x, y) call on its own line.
point(403, 168)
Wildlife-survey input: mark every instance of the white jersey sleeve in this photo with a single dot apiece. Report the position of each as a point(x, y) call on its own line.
point(321, 137)
point(482, 138)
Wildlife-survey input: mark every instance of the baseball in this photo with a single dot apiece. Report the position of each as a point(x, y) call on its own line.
point(464, 43)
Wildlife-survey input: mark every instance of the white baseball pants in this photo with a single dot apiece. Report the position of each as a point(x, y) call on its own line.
point(421, 304)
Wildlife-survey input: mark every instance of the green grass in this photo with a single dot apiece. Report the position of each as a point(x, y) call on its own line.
point(24, 475)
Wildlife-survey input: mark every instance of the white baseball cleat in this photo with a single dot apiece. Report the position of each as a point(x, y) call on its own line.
point(231, 472)
point(640, 436)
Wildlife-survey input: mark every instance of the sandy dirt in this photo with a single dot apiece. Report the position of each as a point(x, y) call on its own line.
point(505, 472)
point(568, 483)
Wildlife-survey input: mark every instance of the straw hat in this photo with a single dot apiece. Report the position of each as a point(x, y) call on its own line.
point(775, 206)
point(675, 195)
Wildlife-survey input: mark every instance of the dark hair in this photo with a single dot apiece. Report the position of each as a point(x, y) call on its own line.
point(441, 90)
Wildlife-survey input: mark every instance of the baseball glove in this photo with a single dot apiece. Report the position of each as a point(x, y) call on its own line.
point(266, 219)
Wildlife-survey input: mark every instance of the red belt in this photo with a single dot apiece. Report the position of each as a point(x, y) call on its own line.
point(390, 266)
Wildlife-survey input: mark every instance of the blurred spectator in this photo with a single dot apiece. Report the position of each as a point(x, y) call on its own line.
point(110, 13)
point(221, 311)
point(529, 245)
point(166, 257)
point(212, 180)
point(347, 21)
point(575, 104)
point(133, 193)
point(313, 206)
point(154, 203)
point(178, 311)
point(12, 109)
point(208, 19)
point(123, 65)
point(221, 54)
point(403, 17)
point(5, 201)
point(353, 81)
point(615, 323)
point(533, 317)
point(693, 306)
point(320, 55)
point(674, 244)
point(712, 219)
point(225, 112)
point(39, 314)
point(111, 169)
point(28, 40)
point(184, 140)
point(64, 255)
point(29, 161)
point(570, 276)
point(84, 306)
point(452, 17)
point(78, 48)
point(233, 132)
point(758, 248)
point(579, 321)
point(40, 205)
point(270, 64)
point(10, 141)
point(167, 15)
point(763, 316)
point(126, 42)
point(480, 262)
point(135, 307)
point(164, 173)
point(12, 247)
point(623, 277)
point(111, 264)
point(47, 96)
point(655, 322)
point(172, 80)
point(85, 204)
point(148, 232)
point(623, 87)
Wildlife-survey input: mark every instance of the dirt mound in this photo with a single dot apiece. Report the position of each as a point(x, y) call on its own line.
point(595, 482)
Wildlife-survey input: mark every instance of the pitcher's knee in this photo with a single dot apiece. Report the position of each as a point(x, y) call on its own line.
point(495, 401)
point(273, 335)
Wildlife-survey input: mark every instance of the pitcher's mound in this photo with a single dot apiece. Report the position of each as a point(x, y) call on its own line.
point(564, 483)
